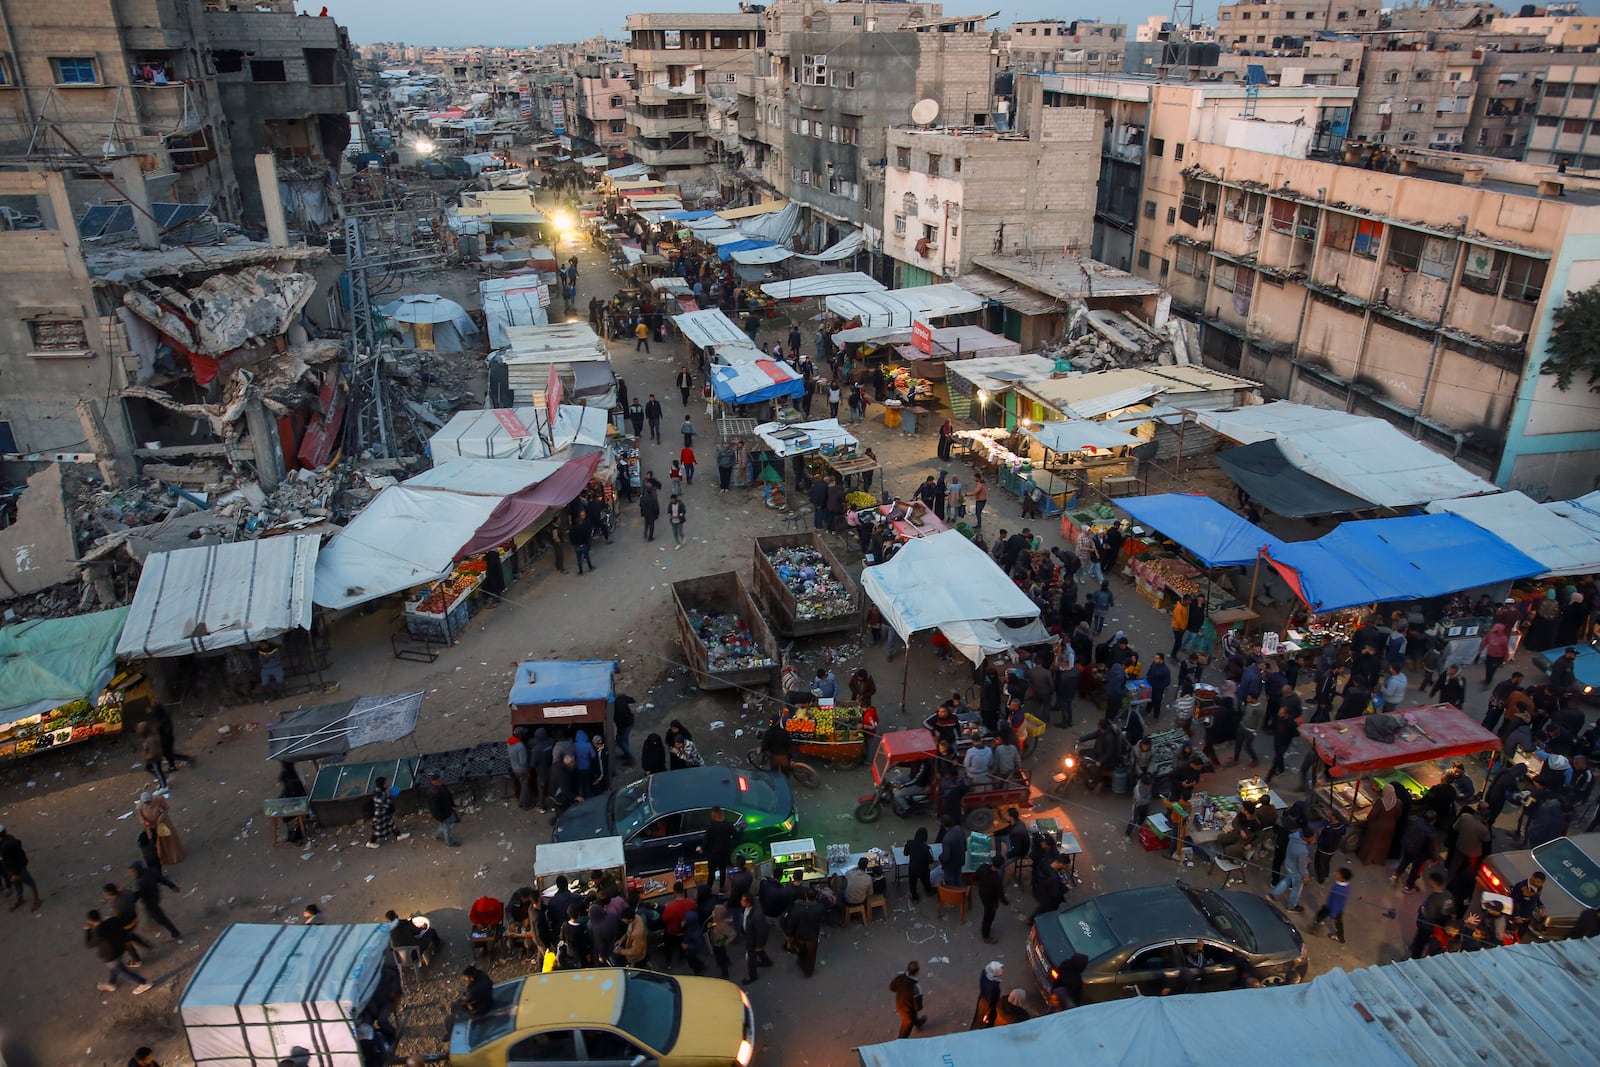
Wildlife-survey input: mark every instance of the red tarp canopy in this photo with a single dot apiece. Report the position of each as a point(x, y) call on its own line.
point(519, 511)
point(1437, 731)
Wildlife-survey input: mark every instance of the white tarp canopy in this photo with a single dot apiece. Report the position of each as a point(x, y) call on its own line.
point(450, 327)
point(979, 640)
point(516, 301)
point(755, 257)
point(779, 226)
point(1561, 545)
point(1078, 435)
point(263, 990)
point(731, 237)
point(632, 170)
point(411, 533)
point(479, 433)
point(902, 307)
point(555, 342)
point(843, 248)
point(945, 580)
point(710, 222)
point(1585, 511)
point(823, 285)
point(785, 439)
point(219, 596)
point(709, 327)
point(1365, 457)
point(993, 374)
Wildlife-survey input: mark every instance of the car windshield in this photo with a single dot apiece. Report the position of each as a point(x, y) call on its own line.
point(1223, 917)
point(630, 807)
point(651, 1009)
point(1572, 869)
point(1087, 930)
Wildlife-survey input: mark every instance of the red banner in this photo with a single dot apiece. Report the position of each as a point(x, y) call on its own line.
point(922, 337)
point(552, 397)
point(513, 425)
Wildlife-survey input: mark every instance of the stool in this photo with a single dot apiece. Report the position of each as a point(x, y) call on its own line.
point(1227, 866)
point(955, 898)
point(856, 910)
point(877, 902)
point(408, 958)
point(1026, 861)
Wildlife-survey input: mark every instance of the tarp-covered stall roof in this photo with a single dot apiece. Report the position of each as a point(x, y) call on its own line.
point(1584, 511)
point(797, 438)
point(1365, 457)
point(709, 328)
point(335, 729)
point(1440, 731)
point(414, 532)
point(515, 301)
point(46, 663)
point(823, 285)
point(514, 433)
point(1080, 435)
point(902, 307)
point(1213, 534)
point(555, 342)
point(1563, 546)
point(264, 990)
point(747, 383)
point(994, 374)
point(1088, 396)
point(219, 596)
point(945, 580)
point(1262, 470)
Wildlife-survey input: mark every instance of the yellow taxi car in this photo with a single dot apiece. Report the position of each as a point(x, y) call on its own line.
point(609, 1017)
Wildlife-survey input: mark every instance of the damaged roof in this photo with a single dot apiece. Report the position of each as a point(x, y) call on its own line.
point(123, 266)
point(227, 311)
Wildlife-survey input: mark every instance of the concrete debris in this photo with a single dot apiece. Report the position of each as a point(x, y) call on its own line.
point(228, 311)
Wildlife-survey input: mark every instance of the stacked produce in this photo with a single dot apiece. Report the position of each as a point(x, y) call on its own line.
point(1171, 572)
point(730, 646)
point(64, 725)
point(826, 724)
point(818, 592)
point(444, 594)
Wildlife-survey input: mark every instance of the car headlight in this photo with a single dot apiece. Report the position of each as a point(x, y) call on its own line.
point(746, 1050)
point(789, 824)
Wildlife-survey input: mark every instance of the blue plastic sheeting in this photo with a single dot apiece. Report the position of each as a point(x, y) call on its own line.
point(1216, 536)
point(1409, 558)
point(548, 681)
point(762, 379)
point(686, 216)
point(726, 251)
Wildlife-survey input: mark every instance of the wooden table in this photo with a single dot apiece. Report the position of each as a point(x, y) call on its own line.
point(291, 811)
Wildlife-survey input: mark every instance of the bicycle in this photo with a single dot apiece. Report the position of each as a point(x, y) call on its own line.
point(800, 772)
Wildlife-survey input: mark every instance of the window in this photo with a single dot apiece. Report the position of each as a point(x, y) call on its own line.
point(1149, 209)
point(227, 61)
point(794, 124)
point(1144, 260)
point(1172, 216)
point(955, 165)
point(1574, 126)
point(1438, 257)
point(1525, 279)
point(902, 158)
point(1483, 269)
point(833, 133)
point(1415, 107)
point(1177, 152)
point(1556, 90)
point(1226, 276)
point(1342, 16)
point(267, 70)
point(618, 126)
point(58, 335)
point(671, 38)
point(1158, 146)
point(813, 70)
point(552, 1046)
point(1193, 261)
point(75, 70)
point(1545, 122)
point(1288, 14)
point(1405, 249)
point(1337, 231)
point(1165, 268)
point(930, 234)
point(617, 101)
point(1369, 235)
point(322, 66)
point(1283, 216)
point(604, 1045)
point(1424, 75)
point(935, 161)
point(1243, 287)
point(908, 204)
point(899, 225)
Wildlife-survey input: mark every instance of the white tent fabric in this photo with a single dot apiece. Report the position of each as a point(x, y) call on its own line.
point(264, 989)
point(516, 301)
point(1366, 457)
point(709, 223)
point(996, 373)
point(479, 434)
point(453, 328)
point(1558, 543)
point(731, 237)
point(782, 443)
point(221, 596)
point(755, 257)
point(843, 248)
point(1585, 511)
point(823, 285)
point(979, 640)
point(944, 580)
point(554, 342)
point(632, 170)
point(709, 327)
point(779, 226)
point(410, 533)
point(902, 307)
point(1076, 435)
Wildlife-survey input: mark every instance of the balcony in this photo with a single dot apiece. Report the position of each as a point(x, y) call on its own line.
point(650, 93)
point(668, 157)
point(653, 125)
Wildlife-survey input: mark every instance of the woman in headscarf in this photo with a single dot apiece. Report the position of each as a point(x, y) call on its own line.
point(1013, 1009)
point(156, 816)
point(983, 1016)
point(583, 752)
point(1573, 616)
point(653, 755)
point(1545, 623)
point(919, 863)
point(1378, 833)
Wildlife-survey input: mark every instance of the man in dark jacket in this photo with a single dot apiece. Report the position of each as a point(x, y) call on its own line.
point(1419, 844)
point(14, 867)
point(652, 415)
point(908, 998)
point(109, 942)
point(953, 857)
point(1451, 688)
point(145, 885)
point(754, 931)
point(581, 534)
point(1437, 909)
point(803, 925)
point(442, 806)
point(1049, 887)
point(991, 894)
point(719, 841)
point(1159, 675)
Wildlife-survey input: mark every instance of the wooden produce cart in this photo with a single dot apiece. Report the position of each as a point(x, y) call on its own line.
point(827, 733)
point(547, 692)
point(725, 640)
point(803, 586)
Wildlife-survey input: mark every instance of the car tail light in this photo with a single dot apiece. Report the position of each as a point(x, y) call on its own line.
point(744, 784)
point(746, 1050)
point(1490, 878)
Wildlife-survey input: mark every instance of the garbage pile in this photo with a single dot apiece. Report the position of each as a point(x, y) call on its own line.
point(818, 592)
point(730, 646)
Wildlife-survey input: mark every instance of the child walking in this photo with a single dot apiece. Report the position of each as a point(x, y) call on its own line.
point(1102, 602)
point(1333, 907)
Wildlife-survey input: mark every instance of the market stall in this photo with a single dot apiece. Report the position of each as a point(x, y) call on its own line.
point(585, 864)
point(1562, 546)
point(804, 587)
point(1208, 533)
point(827, 731)
point(57, 680)
point(563, 692)
point(725, 640)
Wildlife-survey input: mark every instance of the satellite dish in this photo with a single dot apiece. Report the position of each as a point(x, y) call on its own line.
point(924, 111)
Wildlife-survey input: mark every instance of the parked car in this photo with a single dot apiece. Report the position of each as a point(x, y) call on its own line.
point(1168, 939)
point(663, 818)
point(1585, 669)
point(610, 1016)
point(1571, 868)
point(458, 169)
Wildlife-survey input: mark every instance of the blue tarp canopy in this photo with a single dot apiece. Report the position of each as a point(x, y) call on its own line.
point(1213, 534)
point(726, 251)
point(546, 681)
point(686, 216)
point(761, 379)
point(1409, 558)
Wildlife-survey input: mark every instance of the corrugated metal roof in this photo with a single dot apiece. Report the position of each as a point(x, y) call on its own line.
point(1520, 1005)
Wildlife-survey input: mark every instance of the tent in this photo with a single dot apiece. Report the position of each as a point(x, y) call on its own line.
point(264, 990)
point(726, 249)
point(1561, 545)
point(1407, 558)
point(746, 383)
point(335, 729)
point(710, 328)
point(823, 285)
point(1080, 435)
point(1262, 470)
point(220, 596)
point(431, 322)
point(521, 300)
point(412, 533)
point(784, 439)
point(1584, 511)
point(50, 662)
point(514, 433)
point(902, 307)
point(946, 580)
point(1216, 536)
point(1435, 733)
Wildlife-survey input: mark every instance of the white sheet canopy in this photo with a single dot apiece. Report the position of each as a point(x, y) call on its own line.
point(1076, 435)
point(1560, 544)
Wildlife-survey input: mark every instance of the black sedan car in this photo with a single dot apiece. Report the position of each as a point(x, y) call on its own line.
point(1160, 940)
point(663, 817)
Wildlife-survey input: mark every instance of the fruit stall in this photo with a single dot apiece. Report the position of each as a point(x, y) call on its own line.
point(726, 642)
point(68, 724)
point(438, 612)
point(830, 732)
point(804, 587)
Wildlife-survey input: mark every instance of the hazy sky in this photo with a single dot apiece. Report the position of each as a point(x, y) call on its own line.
point(495, 22)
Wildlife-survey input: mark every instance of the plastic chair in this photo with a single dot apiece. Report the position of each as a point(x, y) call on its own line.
point(856, 911)
point(953, 897)
point(408, 958)
point(877, 902)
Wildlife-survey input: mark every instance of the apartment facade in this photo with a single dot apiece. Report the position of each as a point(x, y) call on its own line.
point(1264, 26)
point(682, 63)
point(952, 194)
point(1058, 46)
point(602, 92)
point(1566, 124)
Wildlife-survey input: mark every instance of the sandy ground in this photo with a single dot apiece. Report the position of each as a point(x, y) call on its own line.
point(72, 809)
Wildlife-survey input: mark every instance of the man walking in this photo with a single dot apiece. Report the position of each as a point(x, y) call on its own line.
point(1296, 866)
point(677, 515)
point(442, 806)
point(642, 332)
point(755, 931)
point(581, 534)
point(1333, 907)
point(908, 998)
point(14, 864)
point(652, 415)
point(1438, 909)
point(991, 894)
point(109, 942)
point(685, 382)
point(803, 925)
point(1180, 624)
point(636, 419)
point(519, 761)
point(146, 883)
point(649, 504)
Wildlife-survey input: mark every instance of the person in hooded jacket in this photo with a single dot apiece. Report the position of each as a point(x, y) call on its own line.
point(653, 755)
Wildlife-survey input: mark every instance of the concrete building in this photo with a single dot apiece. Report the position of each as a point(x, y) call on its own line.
point(951, 193)
point(681, 63)
point(1416, 96)
point(1566, 124)
point(1424, 298)
point(1059, 46)
point(601, 94)
point(1286, 24)
point(1572, 32)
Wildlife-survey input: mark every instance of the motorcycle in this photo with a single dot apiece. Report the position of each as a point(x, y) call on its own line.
point(869, 807)
point(1062, 780)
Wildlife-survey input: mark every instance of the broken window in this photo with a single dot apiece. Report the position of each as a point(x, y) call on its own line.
point(268, 70)
point(58, 335)
point(1193, 261)
point(1405, 250)
point(322, 67)
point(1283, 216)
point(1525, 278)
point(1438, 257)
point(1483, 269)
point(227, 61)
